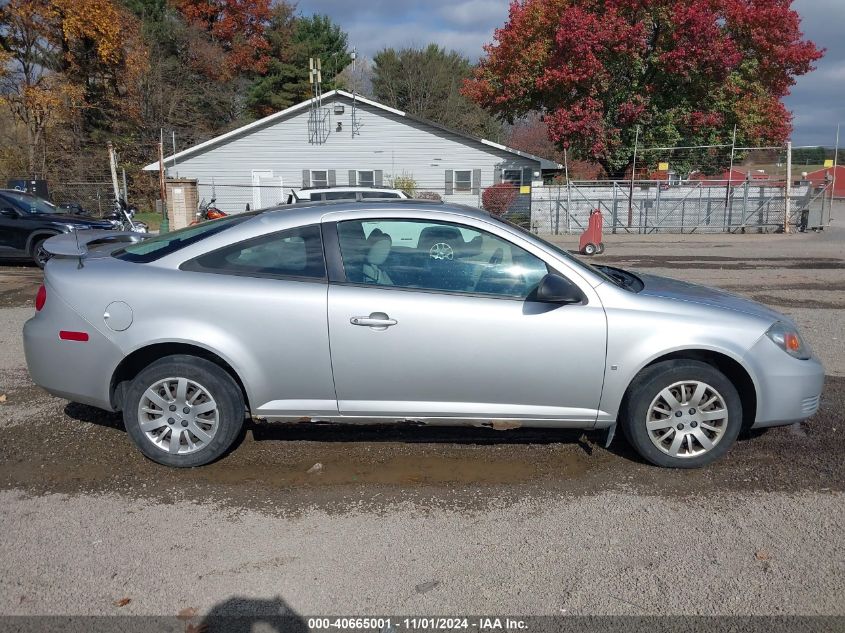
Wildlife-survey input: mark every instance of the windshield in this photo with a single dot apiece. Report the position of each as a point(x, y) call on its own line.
point(28, 203)
point(560, 251)
point(153, 248)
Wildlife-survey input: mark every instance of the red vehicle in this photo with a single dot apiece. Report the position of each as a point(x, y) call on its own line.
point(590, 243)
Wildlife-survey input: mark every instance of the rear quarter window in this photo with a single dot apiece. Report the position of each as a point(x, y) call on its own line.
point(153, 248)
point(293, 253)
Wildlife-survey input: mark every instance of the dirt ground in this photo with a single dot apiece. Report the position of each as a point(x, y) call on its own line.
point(430, 520)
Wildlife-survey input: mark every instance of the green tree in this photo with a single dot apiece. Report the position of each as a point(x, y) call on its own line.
point(426, 82)
point(293, 41)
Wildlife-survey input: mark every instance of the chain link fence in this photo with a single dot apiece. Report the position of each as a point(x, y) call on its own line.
point(657, 206)
point(650, 206)
point(96, 198)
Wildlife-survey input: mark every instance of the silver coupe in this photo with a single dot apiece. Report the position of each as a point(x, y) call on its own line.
point(402, 310)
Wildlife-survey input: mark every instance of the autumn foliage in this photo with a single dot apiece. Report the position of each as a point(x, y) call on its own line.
point(237, 25)
point(686, 72)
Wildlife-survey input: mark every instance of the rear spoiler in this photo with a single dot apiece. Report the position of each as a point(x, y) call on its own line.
point(77, 243)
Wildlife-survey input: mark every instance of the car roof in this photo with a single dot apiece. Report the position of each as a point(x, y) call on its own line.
point(348, 187)
point(321, 207)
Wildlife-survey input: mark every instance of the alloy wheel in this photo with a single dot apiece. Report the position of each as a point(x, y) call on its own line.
point(41, 256)
point(441, 251)
point(687, 419)
point(178, 416)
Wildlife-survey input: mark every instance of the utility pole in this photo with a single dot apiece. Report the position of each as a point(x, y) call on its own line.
point(787, 201)
point(633, 174)
point(165, 223)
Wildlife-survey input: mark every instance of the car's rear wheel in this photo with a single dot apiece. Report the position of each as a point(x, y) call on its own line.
point(183, 411)
point(681, 414)
point(39, 255)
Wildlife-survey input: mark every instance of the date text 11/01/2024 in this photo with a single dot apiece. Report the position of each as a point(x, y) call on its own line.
point(386, 625)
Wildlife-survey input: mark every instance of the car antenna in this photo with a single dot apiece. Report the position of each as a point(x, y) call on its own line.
point(78, 249)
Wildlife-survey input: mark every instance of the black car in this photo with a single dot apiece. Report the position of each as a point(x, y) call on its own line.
point(27, 220)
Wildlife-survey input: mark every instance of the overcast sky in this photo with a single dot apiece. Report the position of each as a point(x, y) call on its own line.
point(818, 100)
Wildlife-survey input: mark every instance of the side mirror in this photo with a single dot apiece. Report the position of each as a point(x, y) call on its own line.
point(556, 289)
point(8, 212)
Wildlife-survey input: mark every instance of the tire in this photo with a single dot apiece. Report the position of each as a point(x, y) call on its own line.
point(590, 249)
point(718, 422)
point(600, 248)
point(204, 436)
point(39, 255)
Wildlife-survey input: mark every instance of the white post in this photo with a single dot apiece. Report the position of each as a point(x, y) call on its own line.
point(566, 170)
point(633, 175)
point(833, 181)
point(728, 205)
point(113, 167)
point(787, 200)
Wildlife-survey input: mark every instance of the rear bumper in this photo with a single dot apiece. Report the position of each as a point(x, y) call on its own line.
point(75, 370)
point(788, 390)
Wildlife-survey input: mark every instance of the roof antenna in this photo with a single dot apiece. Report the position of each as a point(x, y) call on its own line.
point(78, 249)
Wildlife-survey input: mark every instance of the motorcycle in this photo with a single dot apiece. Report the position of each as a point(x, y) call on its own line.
point(121, 218)
point(207, 211)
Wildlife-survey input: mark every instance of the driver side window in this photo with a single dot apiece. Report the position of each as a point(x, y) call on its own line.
point(417, 254)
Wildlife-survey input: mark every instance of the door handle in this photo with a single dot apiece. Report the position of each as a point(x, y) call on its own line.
point(376, 320)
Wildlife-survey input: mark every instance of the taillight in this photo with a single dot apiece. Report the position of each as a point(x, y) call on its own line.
point(40, 298)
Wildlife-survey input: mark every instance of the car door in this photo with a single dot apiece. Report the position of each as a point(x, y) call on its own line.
point(14, 229)
point(271, 292)
point(433, 319)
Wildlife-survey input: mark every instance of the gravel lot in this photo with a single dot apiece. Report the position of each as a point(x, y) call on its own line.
point(434, 520)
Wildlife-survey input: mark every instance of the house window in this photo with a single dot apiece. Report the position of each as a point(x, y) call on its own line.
point(463, 180)
point(512, 177)
point(367, 178)
point(319, 178)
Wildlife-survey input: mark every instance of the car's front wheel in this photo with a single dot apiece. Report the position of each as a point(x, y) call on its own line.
point(183, 411)
point(681, 414)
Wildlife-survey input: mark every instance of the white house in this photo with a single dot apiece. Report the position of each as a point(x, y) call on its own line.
point(346, 139)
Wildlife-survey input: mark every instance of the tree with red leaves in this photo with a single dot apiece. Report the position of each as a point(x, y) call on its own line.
point(237, 26)
point(685, 72)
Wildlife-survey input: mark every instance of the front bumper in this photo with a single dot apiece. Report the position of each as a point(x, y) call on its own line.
point(788, 390)
point(74, 370)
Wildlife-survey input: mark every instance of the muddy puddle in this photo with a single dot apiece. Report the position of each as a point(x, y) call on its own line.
point(81, 450)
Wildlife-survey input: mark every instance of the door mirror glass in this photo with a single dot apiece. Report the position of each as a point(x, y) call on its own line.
point(8, 212)
point(554, 288)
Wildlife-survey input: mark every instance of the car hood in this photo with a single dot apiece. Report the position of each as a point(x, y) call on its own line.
point(666, 288)
point(75, 220)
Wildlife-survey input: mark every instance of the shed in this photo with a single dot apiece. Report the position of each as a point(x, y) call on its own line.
point(821, 176)
point(345, 139)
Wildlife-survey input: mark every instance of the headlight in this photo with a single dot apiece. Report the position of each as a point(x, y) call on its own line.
point(789, 340)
